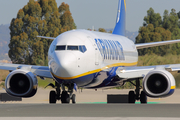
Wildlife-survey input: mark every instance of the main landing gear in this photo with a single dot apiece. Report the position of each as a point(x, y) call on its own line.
point(135, 95)
point(64, 96)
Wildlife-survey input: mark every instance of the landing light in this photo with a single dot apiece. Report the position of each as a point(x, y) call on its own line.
point(122, 71)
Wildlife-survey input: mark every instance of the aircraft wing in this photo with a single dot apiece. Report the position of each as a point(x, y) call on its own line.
point(40, 71)
point(153, 44)
point(51, 38)
point(140, 72)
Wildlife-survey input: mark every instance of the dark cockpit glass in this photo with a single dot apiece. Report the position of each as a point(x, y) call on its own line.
point(63, 47)
point(80, 48)
point(72, 48)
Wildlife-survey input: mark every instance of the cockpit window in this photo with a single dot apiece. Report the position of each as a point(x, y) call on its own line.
point(72, 48)
point(82, 48)
point(63, 47)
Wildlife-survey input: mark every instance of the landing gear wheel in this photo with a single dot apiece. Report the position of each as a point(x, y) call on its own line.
point(65, 97)
point(52, 97)
point(131, 97)
point(73, 98)
point(143, 97)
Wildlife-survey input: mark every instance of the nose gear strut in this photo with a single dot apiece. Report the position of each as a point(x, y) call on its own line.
point(64, 96)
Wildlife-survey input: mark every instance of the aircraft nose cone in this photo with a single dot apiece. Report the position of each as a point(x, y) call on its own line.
point(66, 64)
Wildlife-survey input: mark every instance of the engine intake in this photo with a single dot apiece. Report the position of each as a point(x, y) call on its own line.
point(158, 83)
point(21, 83)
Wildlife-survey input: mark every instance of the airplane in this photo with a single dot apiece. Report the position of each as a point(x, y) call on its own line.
point(93, 60)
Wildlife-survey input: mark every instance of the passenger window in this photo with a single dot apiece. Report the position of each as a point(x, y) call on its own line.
point(72, 48)
point(63, 47)
point(82, 48)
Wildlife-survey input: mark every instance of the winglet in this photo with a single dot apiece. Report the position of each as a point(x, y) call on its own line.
point(121, 19)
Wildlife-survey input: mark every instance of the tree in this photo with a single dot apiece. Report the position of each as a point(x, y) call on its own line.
point(41, 17)
point(170, 21)
point(102, 30)
point(154, 29)
point(66, 18)
point(152, 18)
point(149, 34)
point(166, 22)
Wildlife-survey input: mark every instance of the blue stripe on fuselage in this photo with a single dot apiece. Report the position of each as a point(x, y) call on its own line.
point(85, 80)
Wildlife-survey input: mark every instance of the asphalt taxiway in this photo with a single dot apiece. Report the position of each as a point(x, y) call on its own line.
point(92, 96)
point(90, 110)
point(92, 104)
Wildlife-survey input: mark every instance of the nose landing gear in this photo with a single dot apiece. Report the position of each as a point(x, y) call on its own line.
point(64, 96)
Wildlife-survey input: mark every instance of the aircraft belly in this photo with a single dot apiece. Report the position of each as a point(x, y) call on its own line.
point(81, 81)
point(99, 78)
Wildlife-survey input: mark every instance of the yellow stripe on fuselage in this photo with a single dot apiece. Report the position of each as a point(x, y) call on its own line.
point(95, 71)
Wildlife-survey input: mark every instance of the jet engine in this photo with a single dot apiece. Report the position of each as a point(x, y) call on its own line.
point(159, 83)
point(21, 83)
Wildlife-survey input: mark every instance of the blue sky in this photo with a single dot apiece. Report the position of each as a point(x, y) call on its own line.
point(97, 13)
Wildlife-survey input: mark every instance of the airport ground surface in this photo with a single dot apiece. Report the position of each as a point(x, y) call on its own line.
point(91, 105)
point(88, 96)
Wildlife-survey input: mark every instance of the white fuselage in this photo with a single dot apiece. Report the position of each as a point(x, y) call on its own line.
point(82, 56)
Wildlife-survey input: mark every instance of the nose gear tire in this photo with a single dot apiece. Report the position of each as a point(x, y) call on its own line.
point(65, 97)
point(52, 97)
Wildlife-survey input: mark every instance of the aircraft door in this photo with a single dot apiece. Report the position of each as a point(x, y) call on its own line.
point(96, 56)
point(96, 51)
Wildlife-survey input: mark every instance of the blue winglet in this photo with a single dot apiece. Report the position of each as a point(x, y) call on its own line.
point(121, 19)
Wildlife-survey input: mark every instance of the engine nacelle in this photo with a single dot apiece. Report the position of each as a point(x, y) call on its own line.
point(159, 83)
point(21, 83)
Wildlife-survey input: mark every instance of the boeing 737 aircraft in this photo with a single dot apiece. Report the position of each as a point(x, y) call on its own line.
point(92, 60)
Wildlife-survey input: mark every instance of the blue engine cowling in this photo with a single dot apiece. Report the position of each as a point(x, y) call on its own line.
point(159, 83)
point(21, 83)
